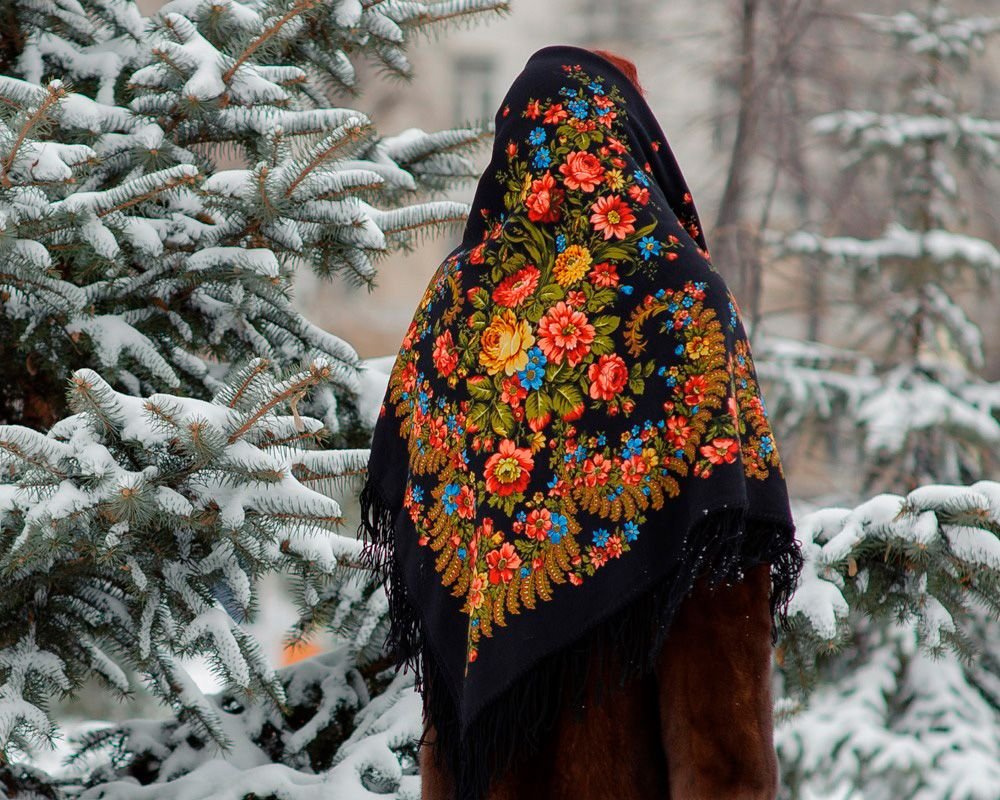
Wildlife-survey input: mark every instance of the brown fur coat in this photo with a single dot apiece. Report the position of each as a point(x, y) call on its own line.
point(700, 728)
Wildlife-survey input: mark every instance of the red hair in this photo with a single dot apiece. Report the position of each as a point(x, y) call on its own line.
point(625, 66)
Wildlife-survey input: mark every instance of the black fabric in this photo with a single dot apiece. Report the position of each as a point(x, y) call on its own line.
point(572, 432)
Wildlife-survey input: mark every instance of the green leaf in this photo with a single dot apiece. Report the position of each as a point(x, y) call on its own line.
point(482, 390)
point(565, 398)
point(536, 404)
point(606, 324)
point(502, 420)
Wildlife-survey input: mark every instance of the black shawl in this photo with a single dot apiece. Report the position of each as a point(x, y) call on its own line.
point(572, 432)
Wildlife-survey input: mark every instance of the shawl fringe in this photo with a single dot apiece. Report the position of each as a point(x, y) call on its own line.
point(720, 546)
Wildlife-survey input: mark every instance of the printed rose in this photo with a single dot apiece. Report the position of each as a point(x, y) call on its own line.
point(564, 332)
point(515, 289)
point(509, 469)
point(608, 376)
point(604, 274)
point(613, 216)
point(476, 586)
point(544, 199)
point(678, 430)
point(582, 170)
point(502, 563)
point(538, 524)
point(445, 356)
point(504, 343)
point(722, 450)
point(572, 264)
point(694, 389)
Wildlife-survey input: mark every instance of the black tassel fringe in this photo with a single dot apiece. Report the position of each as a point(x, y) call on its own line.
point(721, 546)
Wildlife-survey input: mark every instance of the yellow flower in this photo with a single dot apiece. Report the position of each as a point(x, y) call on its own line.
point(525, 186)
point(698, 347)
point(572, 264)
point(614, 180)
point(504, 343)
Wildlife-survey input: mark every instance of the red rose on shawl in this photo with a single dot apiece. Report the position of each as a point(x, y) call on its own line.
point(565, 332)
point(694, 389)
point(502, 563)
point(613, 216)
point(508, 470)
point(538, 524)
point(608, 376)
point(544, 201)
point(445, 356)
point(721, 450)
point(515, 289)
point(583, 171)
point(678, 430)
point(639, 193)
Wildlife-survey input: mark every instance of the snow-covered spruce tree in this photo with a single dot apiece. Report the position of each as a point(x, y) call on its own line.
point(897, 591)
point(911, 389)
point(127, 249)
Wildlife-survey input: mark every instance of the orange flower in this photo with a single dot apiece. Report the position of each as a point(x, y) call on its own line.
point(509, 469)
point(502, 563)
point(555, 114)
point(604, 274)
point(721, 450)
point(678, 430)
point(544, 200)
point(515, 289)
point(596, 470)
point(608, 376)
point(613, 216)
point(538, 524)
point(565, 332)
point(694, 389)
point(598, 557)
point(582, 170)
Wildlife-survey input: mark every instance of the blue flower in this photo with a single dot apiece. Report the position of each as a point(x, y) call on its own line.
point(631, 531)
point(671, 381)
point(640, 177)
point(625, 289)
point(595, 87)
point(417, 492)
point(475, 623)
point(560, 242)
point(559, 527)
point(649, 247)
point(672, 307)
point(659, 294)
point(461, 553)
point(537, 136)
point(531, 377)
point(566, 91)
point(524, 572)
point(450, 493)
point(601, 439)
point(601, 537)
point(679, 350)
point(578, 108)
point(542, 159)
point(688, 301)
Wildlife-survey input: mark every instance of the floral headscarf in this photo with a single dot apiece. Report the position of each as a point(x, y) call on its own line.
point(572, 432)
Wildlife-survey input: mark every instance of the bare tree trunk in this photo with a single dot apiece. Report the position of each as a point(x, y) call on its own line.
point(728, 247)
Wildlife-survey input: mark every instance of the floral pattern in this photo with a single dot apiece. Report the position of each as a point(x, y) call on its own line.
point(548, 330)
